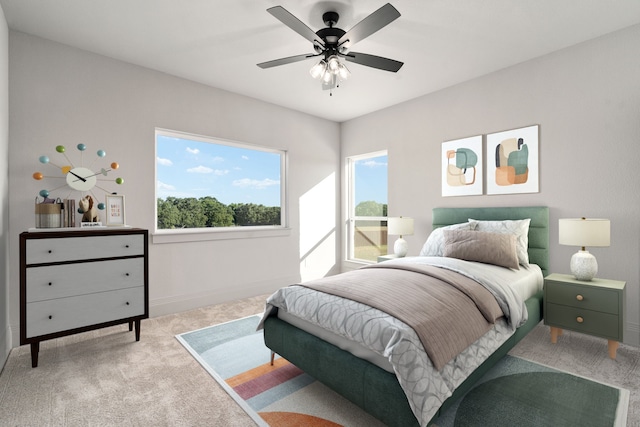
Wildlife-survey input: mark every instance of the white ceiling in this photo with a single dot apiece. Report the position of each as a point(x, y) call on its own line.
point(219, 42)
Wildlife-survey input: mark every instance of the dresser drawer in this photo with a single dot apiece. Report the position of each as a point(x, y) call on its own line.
point(65, 280)
point(585, 297)
point(40, 251)
point(47, 317)
point(593, 322)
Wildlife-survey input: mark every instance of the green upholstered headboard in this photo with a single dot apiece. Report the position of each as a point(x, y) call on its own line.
point(538, 228)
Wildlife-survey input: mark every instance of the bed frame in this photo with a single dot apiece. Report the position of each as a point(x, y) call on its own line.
point(376, 390)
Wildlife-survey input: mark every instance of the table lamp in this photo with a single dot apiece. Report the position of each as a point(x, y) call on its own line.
point(584, 232)
point(400, 226)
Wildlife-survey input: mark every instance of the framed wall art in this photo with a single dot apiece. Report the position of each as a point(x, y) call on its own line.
point(512, 161)
point(115, 210)
point(462, 167)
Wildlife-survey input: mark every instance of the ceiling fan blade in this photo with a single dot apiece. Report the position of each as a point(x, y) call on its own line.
point(295, 24)
point(373, 61)
point(369, 25)
point(283, 61)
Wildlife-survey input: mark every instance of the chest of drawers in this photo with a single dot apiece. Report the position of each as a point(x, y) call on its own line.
point(76, 281)
point(595, 307)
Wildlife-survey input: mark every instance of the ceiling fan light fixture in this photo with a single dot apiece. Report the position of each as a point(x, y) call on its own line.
point(343, 72)
point(318, 70)
point(333, 64)
point(328, 76)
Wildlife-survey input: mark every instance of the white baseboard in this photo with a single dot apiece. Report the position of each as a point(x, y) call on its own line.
point(180, 303)
point(632, 334)
point(5, 345)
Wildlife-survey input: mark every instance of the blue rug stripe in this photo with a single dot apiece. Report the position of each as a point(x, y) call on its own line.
point(279, 392)
point(235, 357)
point(202, 339)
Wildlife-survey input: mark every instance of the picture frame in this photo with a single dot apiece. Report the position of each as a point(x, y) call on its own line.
point(462, 167)
point(115, 212)
point(512, 161)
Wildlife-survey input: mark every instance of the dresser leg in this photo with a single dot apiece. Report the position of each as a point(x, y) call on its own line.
point(130, 325)
point(137, 330)
point(35, 349)
point(613, 348)
point(555, 333)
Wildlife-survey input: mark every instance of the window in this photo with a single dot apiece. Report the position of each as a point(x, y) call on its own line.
point(209, 183)
point(367, 181)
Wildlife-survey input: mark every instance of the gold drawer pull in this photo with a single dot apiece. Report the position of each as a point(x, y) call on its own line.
point(579, 319)
point(579, 297)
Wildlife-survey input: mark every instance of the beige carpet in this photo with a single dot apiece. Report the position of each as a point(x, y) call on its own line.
point(105, 378)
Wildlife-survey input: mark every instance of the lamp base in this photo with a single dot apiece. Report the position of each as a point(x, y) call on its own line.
point(583, 265)
point(400, 247)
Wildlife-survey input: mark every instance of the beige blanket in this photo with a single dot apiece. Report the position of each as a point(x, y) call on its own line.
point(448, 311)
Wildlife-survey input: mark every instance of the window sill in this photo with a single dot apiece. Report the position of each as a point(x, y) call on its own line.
point(200, 235)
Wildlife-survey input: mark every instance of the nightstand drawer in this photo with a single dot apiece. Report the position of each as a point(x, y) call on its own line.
point(588, 298)
point(594, 323)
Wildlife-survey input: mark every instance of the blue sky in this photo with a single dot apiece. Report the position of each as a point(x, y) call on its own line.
point(187, 168)
point(371, 179)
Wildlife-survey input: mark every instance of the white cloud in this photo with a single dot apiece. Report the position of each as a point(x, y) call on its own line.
point(166, 187)
point(373, 164)
point(193, 150)
point(164, 162)
point(254, 183)
point(200, 169)
point(245, 157)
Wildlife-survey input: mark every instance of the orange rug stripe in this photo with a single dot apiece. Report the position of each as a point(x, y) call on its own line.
point(292, 419)
point(256, 372)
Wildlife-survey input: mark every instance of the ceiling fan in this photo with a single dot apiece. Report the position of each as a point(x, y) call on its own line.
point(332, 43)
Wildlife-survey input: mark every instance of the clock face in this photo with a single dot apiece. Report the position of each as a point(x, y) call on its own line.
point(77, 178)
point(81, 179)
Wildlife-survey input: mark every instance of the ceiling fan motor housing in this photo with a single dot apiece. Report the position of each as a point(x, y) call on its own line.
point(330, 37)
point(330, 18)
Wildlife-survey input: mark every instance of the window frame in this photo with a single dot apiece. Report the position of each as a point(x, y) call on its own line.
point(351, 217)
point(161, 235)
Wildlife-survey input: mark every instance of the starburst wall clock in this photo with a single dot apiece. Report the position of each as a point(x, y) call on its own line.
point(80, 178)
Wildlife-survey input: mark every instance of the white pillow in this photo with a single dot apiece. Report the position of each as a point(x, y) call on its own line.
point(518, 227)
point(434, 246)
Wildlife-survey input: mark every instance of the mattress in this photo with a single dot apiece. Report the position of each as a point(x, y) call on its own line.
point(526, 282)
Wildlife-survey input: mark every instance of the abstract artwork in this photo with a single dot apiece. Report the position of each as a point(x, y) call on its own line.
point(512, 161)
point(462, 167)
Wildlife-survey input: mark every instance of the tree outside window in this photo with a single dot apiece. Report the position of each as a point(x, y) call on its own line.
point(367, 176)
point(204, 182)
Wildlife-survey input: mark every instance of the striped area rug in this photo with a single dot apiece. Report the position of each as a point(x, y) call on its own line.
point(514, 392)
point(279, 395)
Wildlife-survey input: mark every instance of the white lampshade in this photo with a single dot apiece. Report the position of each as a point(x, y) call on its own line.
point(584, 232)
point(400, 226)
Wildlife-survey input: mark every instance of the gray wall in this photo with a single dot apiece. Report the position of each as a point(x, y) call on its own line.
point(586, 100)
point(62, 95)
point(5, 336)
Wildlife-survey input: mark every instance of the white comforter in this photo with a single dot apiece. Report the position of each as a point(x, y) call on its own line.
point(425, 387)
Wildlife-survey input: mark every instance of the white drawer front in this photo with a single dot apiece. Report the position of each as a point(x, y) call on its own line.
point(65, 280)
point(87, 247)
point(46, 317)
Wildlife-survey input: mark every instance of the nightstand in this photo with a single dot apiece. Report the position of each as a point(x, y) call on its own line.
point(595, 307)
point(382, 258)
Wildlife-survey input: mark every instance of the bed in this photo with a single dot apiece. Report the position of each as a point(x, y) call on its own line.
point(372, 379)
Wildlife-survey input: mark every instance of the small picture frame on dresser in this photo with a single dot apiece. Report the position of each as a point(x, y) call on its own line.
point(115, 210)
